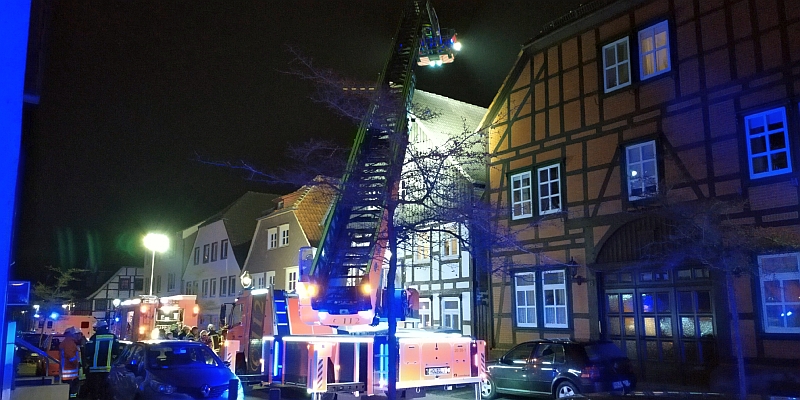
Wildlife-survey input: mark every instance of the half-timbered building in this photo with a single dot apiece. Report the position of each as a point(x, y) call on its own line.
point(607, 107)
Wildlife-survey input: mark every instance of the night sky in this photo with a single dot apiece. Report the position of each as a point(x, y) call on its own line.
point(134, 90)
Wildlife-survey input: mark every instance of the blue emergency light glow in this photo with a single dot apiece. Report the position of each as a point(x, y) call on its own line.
point(53, 315)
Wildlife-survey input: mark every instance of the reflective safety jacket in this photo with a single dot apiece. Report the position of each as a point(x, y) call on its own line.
point(70, 359)
point(102, 346)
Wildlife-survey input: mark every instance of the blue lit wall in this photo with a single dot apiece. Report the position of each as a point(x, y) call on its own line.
point(14, 16)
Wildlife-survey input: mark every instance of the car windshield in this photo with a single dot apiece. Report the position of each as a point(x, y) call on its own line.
point(604, 351)
point(179, 355)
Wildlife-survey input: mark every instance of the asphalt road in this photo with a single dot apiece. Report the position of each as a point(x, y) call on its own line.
point(459, 393)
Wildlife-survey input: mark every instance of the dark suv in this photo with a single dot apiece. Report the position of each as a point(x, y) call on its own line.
point(559, 369)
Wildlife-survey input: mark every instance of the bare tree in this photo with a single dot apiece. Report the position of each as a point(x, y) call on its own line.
point(709, 232)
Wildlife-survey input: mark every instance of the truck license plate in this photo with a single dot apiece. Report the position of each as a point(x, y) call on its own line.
point(429, 371)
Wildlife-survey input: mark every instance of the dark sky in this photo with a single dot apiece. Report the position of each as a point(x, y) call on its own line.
point(133, 90)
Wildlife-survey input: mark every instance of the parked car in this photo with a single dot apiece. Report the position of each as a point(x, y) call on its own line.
point(170, 369)
point(559, 369)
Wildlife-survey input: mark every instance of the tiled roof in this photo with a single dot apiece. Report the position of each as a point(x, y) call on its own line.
point(311, 204)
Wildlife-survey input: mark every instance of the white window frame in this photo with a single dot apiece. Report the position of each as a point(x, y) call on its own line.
point(170, 281)
point(451, 317)
point(616, 66)
point(197, 255)
point(451, 245)
point(270, 277)
point(214, 287)
point(284, 229)
point(214, 250)
point(223, 286)
point(781, 277)
point(425, 313)
point(206, 253)
point(205, 287)
point(525, 282)
point(292, 275)
point(223, 249)
point(765, 135)
point(261, 281)
point(547, 186)
point(558, 293)
point(232, 281)
point(521, 195)
point(653, 50)
point(422, 246)
point(641, 172)
point(272, 234)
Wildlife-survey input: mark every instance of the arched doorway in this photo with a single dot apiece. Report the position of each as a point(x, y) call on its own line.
point(663, 316)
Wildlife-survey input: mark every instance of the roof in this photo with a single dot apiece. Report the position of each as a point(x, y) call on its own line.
point(241, 215)
point(310, 204)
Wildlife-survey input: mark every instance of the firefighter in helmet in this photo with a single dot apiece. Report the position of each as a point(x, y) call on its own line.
point(101, 349)
point(70, 361)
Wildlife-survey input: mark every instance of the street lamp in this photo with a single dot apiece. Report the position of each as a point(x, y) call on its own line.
point(155, 242)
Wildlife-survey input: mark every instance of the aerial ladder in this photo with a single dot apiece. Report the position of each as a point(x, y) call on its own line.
point(345, 276)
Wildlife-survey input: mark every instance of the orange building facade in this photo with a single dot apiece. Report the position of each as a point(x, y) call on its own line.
point(606, 108)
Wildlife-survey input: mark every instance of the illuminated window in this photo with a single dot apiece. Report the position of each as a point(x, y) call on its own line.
point(273, 238)
point(451, 312)
point(214, 251)
point(616, 65)
point(450, 243)
point(284, 235)
point(549, 189)
point(767, 143)
point(780, 292)
point(422, 246)
point(206, 253)
point(223, 249)
point(425, 313)
point(642, 170)
point(521, 200)
point(654, 50)
point(541, 296)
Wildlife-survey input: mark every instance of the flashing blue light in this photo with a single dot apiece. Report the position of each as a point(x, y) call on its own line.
point(53, 315)
point(116, 319)
point(36, 315)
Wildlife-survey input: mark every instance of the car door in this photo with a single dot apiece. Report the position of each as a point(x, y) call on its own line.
point(544, 366)
point(127, 373)
point(509, 373)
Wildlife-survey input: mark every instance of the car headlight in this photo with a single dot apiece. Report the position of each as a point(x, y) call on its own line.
point(162, 387)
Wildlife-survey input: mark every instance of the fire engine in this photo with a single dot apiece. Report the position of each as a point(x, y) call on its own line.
point(331, 336)
point(138, 319)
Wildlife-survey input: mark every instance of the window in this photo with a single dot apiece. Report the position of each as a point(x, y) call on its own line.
point(549, 189)
point(261, 282)
point(616, 65)
point(548, 289)
point(291, 278)
point(196, 255)
point(642, 170)
point(780, 292)
point(425, 313)
point(223, 249)
point(449, 245)
point(170, 281)
point(284, 235)
point(214, 251)
point(422, 246)
point(654, 50)
point(214, 287)
point(555, 299)
point(205, 287)
point(124, 283)
point(767, 143)
point(451, 312)
point(223, 286)
point(521, 202)
point(158, 284)
point(273, 238)
point(232, 285)
point(206, 253)
point(525, 288)
point(138, 283)
point(270, 278)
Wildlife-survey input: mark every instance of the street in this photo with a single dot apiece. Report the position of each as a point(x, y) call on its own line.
point(461, 393)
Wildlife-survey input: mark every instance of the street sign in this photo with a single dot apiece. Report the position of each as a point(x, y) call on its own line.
point(19, 293)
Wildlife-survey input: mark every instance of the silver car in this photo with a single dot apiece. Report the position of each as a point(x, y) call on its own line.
point(170, 369)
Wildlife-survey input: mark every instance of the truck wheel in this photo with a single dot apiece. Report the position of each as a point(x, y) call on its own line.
point(488, 388)
point(566, 389)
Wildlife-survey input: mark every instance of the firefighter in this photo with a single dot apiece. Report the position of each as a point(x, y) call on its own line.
point(70, 361)
point(215, 339)
point(101, 349)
